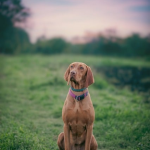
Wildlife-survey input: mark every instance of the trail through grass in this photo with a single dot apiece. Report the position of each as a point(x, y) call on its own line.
point(32, 93)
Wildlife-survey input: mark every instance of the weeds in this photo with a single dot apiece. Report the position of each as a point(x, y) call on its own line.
point(33, 92)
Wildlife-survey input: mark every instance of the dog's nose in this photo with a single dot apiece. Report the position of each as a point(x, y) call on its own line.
point(73, 72)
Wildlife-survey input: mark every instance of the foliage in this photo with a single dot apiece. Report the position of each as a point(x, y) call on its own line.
point(12, 39)
point(33, 92)
point(15, 41)
point(13, 11)
point(52, 46)
point(131, 46)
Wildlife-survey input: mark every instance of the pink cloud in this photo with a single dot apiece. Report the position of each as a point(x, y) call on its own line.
point(73, 20)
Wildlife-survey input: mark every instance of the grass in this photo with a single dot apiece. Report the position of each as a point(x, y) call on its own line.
point(32, 93)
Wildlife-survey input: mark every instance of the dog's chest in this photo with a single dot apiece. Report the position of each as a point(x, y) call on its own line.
point(78, 111)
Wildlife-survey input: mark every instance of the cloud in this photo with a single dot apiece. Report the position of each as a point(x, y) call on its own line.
point(71, 18)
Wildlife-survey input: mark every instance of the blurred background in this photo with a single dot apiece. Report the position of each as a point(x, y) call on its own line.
point(113, 28)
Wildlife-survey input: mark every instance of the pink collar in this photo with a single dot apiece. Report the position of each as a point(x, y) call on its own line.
point(80, 97)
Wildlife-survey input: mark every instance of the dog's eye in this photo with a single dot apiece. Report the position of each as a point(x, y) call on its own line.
point(71, 66)
point(81, 68)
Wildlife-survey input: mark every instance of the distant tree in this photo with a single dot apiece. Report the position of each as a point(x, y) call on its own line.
point(102, 46)
point(135, 45)
point(131, 46)
point(16, 41)
point(11, 12)
point(57, 45)
point(51, 46)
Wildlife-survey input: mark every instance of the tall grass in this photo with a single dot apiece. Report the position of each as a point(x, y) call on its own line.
point(33, 92)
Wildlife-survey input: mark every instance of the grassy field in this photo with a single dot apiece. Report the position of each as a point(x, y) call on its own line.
point(32, 93)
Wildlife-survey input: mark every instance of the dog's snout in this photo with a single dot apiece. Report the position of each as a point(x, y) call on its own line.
point(73, 72)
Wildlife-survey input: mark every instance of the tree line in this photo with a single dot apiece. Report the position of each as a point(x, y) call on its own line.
point(131, 46)
point(14, 40)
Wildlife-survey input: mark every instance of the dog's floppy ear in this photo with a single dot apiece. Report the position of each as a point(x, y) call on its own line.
point(89, 77)
point(66, 75)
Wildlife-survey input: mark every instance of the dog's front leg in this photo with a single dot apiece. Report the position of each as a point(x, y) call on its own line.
point(67, 136)
point(88, 137)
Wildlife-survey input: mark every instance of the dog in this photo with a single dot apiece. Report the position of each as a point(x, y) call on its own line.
point(78, 113)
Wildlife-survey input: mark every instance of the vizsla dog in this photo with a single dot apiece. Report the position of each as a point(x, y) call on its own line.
point(78, 112)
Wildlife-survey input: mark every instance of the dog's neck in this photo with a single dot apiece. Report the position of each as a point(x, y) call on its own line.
point(76, 85)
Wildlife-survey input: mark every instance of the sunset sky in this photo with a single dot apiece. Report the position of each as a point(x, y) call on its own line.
point(71, 18)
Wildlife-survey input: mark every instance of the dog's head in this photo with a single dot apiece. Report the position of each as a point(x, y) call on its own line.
point(79, 74)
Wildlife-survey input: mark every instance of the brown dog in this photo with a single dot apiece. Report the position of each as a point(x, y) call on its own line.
point(78, 112)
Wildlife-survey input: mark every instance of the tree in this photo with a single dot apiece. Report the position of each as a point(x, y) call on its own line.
point(135, 45)
point(51, 46)
point(11, 12)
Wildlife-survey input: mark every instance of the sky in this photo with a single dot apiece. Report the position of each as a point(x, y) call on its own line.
point(75, 18)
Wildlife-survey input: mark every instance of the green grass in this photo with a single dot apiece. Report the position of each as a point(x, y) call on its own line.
point(32, 93)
